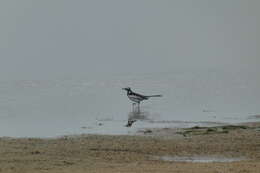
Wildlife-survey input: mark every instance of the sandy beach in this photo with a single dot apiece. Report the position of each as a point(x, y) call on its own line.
point(146, 152)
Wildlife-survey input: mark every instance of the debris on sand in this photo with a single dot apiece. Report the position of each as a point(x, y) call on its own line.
point(197, 130)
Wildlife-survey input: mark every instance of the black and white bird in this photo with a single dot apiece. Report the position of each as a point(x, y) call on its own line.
point(137, 98)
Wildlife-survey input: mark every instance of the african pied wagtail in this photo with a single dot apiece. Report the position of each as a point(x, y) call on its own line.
point(137, 98)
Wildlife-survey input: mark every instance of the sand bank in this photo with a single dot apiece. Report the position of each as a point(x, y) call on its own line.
point(97, 153)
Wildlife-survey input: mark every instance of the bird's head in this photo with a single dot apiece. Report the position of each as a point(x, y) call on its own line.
point(127, 89)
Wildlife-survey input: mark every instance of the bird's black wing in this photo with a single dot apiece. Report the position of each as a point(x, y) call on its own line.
point(140, 95)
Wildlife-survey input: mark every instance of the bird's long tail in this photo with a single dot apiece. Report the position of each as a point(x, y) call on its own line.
point(154, 96)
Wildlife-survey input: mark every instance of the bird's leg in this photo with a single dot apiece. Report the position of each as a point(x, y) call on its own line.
point(133, 107)
point(138, 107)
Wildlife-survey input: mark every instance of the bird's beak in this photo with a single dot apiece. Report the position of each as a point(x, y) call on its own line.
point(123, 88)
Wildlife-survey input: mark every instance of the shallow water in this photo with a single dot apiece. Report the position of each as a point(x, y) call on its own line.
point(198, 159)
point(49, 108)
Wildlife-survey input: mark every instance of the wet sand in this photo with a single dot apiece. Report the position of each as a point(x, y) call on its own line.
point(103, 153)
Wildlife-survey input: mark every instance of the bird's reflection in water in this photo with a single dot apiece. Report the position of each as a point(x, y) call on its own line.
point(136, 115)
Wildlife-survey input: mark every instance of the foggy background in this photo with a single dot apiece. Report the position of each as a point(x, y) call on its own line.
point(63, 64)
point(46, 38)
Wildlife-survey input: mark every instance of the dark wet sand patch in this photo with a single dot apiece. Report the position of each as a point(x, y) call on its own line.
point(197, 130)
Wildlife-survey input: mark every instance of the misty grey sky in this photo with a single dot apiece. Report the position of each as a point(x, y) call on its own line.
point(64, 37)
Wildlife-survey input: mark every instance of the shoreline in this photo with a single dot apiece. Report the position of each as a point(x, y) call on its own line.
point(140, 153)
